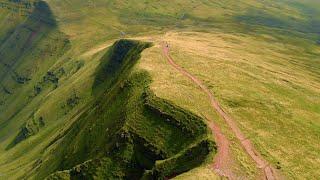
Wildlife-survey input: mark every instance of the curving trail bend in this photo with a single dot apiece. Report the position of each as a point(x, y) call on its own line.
point(222, 158)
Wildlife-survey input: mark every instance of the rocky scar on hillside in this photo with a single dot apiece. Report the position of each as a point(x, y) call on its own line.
point(128, 133)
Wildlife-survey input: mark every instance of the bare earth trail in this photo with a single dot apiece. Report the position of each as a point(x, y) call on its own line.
point(222, 158)
point(223, 161)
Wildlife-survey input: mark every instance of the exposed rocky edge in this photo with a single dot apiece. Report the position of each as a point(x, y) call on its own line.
point(134, 156)
point(118, 62)
point(182, 162)
point(29, 47)
point(191, 124)
point(31, 127)
point(27, 50)
point(128, 133)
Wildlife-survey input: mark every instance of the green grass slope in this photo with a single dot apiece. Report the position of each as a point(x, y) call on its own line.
point(71, 109)
point(271, 90)
point(112, 142)
point(121, 131)
point(28, 51)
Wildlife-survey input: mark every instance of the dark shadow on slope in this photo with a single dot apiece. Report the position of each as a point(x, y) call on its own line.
point(30, 128)
point(38, 23)
point(132, 148)
point(31, 48)
point(117, 62)
point(127, 129)
point(42, 13)
point(310, 25)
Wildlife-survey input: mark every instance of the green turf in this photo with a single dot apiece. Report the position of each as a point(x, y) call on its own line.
point(133, 137)
point(65, 101)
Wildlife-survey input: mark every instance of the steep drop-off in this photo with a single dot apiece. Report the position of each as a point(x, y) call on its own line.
point(121, 130)
point(128, 132)
point(29, 46)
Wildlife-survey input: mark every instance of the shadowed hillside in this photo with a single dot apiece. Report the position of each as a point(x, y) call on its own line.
point(78, 103)
point(127, 129)
point(27, 51)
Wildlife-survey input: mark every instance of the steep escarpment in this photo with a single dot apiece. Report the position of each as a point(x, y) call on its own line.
point(114, 127)
point(128, 132)
point(29, 46)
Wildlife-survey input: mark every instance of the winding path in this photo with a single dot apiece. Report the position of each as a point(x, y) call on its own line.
point(223, 157)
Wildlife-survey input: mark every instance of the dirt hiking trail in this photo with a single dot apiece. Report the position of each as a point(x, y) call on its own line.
point(223, 157)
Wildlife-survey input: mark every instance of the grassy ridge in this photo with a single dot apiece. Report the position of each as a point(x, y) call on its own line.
point(132, 138)
point(190, 124)
point(271, 91)
point(47, 85)
point(28, 50)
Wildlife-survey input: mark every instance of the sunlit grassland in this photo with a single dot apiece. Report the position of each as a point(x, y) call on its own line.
point(267, 79)
point(171, 85)
point(270, 88)
point(199, 173)
point(57, 118)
